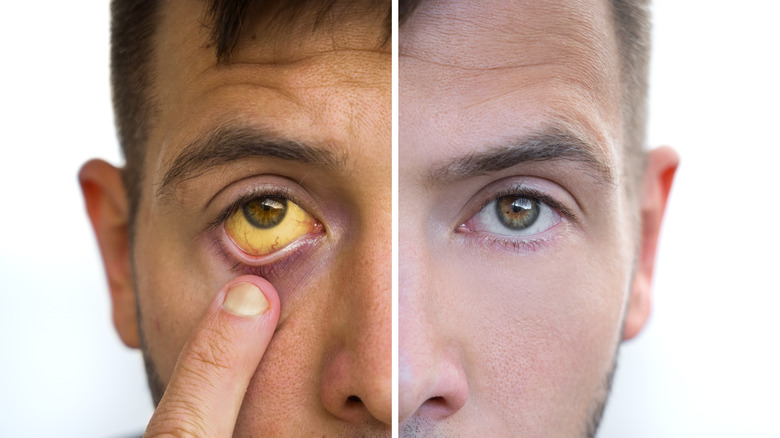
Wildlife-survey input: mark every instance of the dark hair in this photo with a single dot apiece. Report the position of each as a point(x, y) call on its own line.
point(133, 26)
point(632, 28)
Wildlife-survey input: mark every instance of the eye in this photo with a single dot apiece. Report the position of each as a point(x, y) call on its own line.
point(514, 215)
point(267, 224)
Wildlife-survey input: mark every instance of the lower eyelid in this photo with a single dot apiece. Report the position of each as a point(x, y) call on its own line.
point(250, 260)
point(286, 274)
point(521, 245)
point(514, 244)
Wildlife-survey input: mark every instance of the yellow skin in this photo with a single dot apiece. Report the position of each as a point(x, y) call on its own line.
point(258, 241)
point(329, 89)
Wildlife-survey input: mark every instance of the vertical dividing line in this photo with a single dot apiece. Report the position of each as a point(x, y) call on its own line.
point(395, 216)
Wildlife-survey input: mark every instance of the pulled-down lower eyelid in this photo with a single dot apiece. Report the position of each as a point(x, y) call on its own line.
point(275, 256)
point(267, 267)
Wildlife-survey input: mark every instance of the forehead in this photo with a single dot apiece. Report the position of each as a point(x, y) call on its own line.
point(289, 78)
point(506, 33)
point(500, 67)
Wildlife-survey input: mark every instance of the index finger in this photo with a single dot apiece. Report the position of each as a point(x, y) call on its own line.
point(213, 372)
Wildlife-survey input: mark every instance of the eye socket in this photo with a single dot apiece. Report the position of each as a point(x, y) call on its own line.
point(267, 224)
point(514, 216)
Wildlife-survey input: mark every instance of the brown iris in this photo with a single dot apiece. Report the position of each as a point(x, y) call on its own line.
point(517, 213)
point(265, 212)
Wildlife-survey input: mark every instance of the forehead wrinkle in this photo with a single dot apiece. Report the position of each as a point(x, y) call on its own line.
point(180, 62)
point(472, 69)
point(342, 26)
point(307, 73)
point(579, 38)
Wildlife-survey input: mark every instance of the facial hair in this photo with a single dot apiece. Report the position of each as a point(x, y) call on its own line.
point(421, 427)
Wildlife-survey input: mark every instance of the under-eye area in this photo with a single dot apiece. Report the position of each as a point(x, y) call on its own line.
point(516, 217)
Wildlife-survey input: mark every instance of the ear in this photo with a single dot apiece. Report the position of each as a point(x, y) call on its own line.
point(106, 201)
point(657, 182)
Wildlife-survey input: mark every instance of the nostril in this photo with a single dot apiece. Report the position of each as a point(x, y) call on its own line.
point(431, 387)
point(439, 407)
point(354, 399)
point(437, 403)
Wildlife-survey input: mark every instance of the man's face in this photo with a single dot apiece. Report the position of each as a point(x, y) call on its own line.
point(516, 239)
point(329, 91)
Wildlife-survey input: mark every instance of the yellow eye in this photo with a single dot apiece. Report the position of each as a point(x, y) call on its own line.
point(267, 224)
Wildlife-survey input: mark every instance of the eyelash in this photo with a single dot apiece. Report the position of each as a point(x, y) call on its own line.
point(516, 245)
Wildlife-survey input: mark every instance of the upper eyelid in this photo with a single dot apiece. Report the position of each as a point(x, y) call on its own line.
point(273, 181)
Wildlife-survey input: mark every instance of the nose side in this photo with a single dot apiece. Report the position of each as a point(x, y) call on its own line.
point(430, 386)
point(432, 381)
point(357, 379)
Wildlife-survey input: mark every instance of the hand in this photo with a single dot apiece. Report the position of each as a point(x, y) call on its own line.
point(212, 374)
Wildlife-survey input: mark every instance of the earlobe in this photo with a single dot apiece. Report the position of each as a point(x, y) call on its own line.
point(107, 207)
point(662, 164)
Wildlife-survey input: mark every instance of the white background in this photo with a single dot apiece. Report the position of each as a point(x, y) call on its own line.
point(63, 370)
point(707, 364)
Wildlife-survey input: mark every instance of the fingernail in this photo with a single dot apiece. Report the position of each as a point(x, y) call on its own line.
point(245, 299)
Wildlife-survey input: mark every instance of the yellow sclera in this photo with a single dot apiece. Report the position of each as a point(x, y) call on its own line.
point(257, 241)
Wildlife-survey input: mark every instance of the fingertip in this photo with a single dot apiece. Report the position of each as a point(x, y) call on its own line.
point(250, 296)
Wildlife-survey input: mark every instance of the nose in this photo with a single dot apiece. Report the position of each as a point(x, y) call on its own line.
point(432, 381)
point(356, 383)
point(431, 386)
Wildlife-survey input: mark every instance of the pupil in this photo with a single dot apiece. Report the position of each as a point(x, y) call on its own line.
point(517, 213)
point(265, 212)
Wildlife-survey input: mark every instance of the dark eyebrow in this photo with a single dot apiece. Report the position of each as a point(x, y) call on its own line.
point(550, 144)
point(226, 144)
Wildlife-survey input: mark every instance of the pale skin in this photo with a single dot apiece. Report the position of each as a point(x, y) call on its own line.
point(317, 359)
point(516, 336)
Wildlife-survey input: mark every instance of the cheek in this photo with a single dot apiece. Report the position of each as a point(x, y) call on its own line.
point(176, 283)
point(174, 291)
point(291, 276)
point(541, 333)
point(289, 376)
